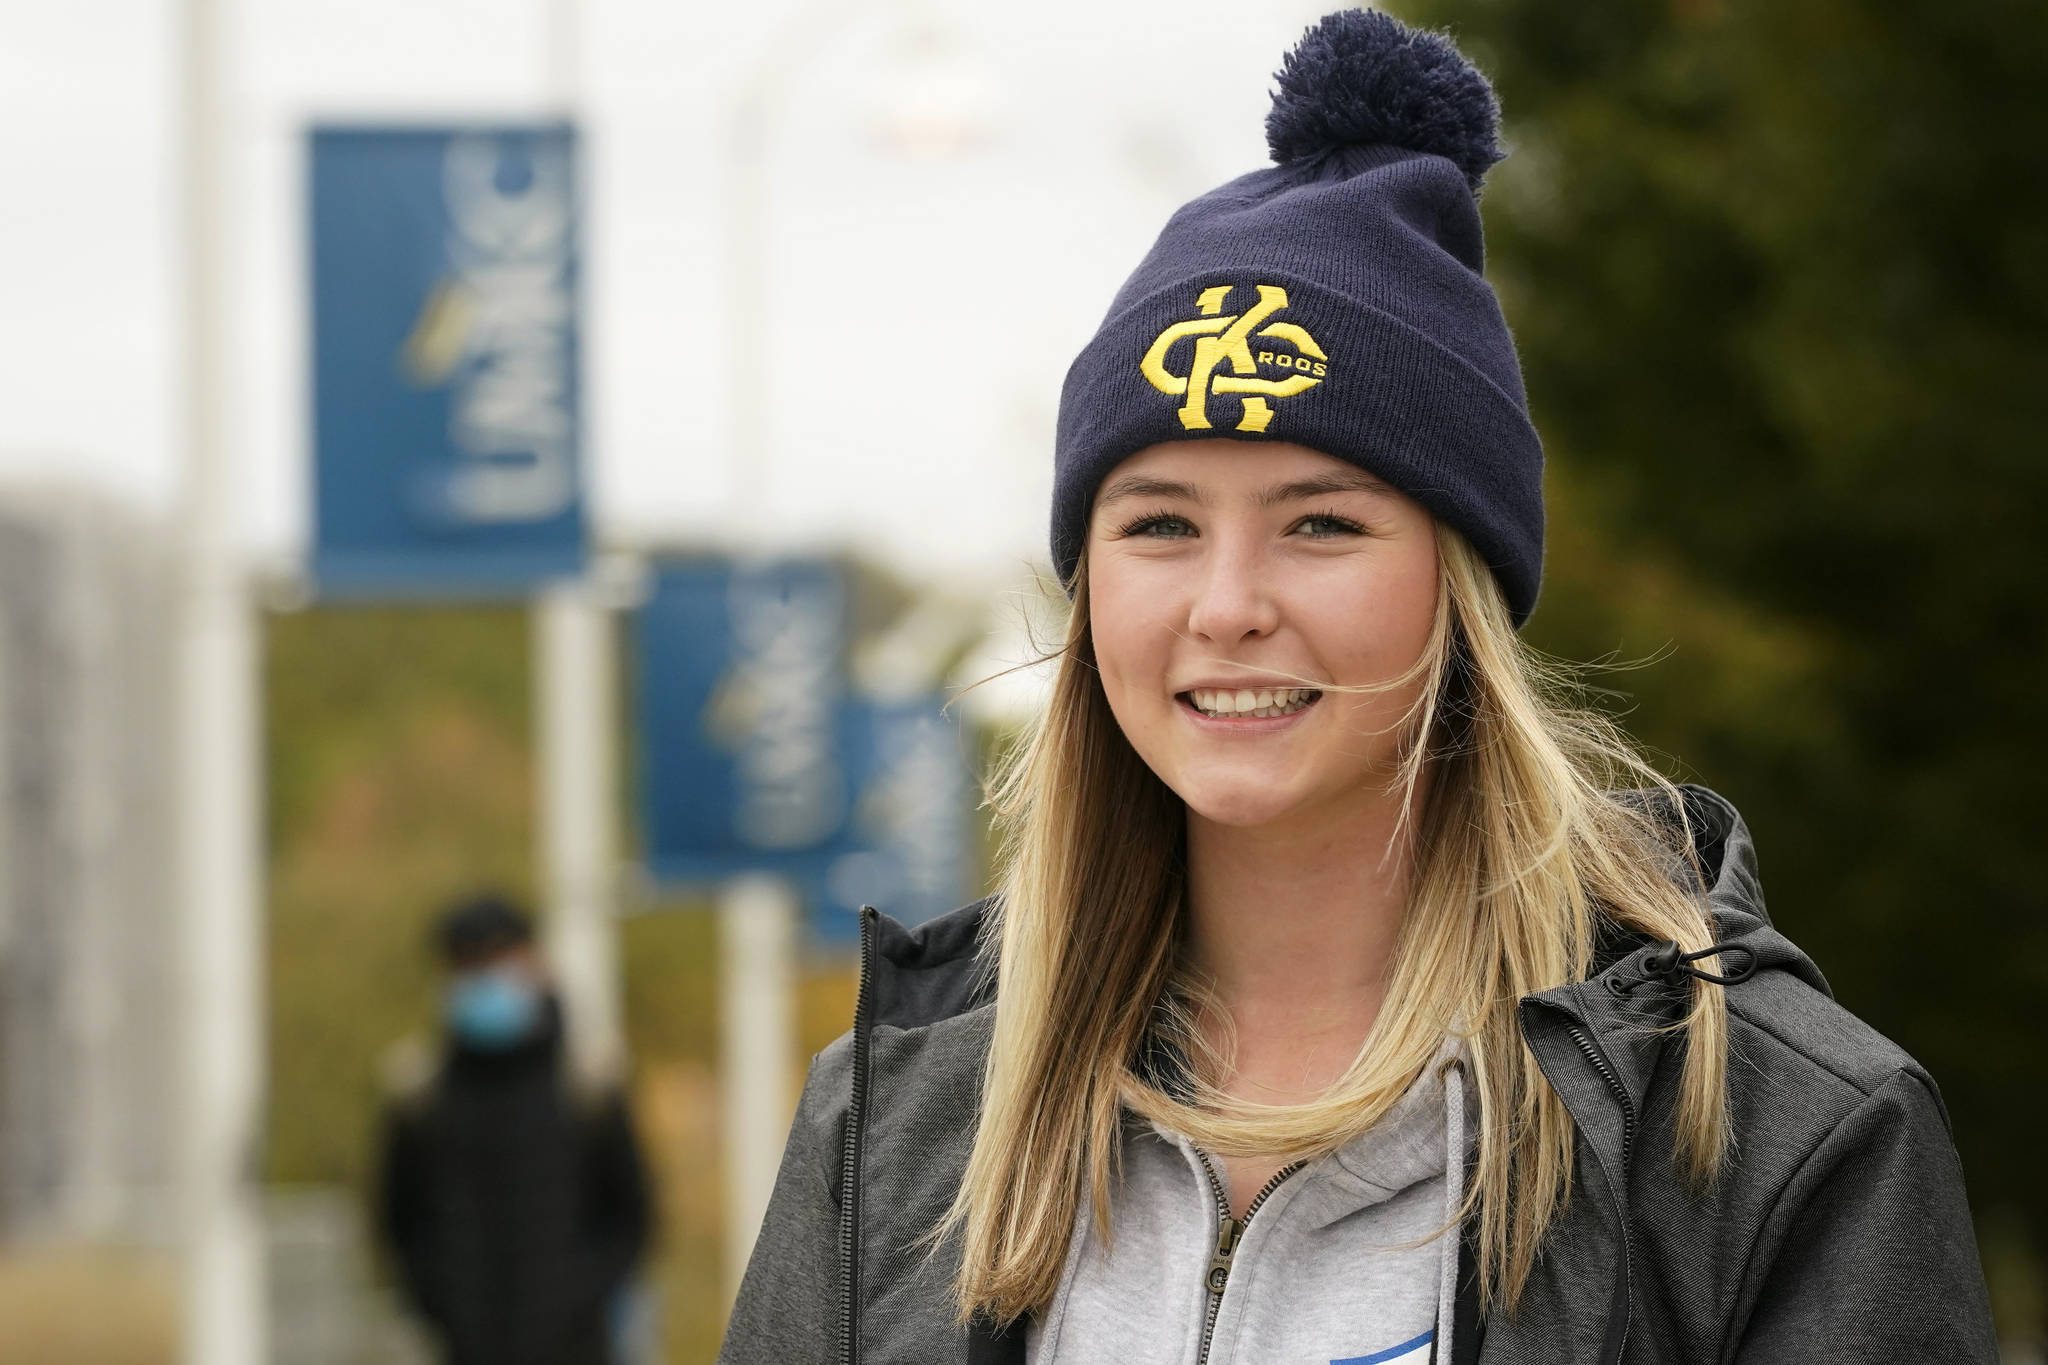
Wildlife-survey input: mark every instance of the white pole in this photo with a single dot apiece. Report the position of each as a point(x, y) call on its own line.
point(219, 779)
point(757, 919)
point(756, 914)
point(573, 682)
point(573, 658)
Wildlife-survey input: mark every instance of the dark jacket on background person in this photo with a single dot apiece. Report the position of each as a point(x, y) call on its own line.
point(516, 1207)
point(1837, 1233)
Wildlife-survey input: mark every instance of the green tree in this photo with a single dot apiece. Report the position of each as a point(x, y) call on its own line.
point(1776, 273)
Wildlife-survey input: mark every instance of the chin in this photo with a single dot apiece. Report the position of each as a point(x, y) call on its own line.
point(1243, 807)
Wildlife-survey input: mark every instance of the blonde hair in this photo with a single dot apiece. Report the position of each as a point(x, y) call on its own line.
point(1521, 851)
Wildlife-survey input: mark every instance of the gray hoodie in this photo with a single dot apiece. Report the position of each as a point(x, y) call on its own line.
point(1837, 1235)
point(1344, 1258)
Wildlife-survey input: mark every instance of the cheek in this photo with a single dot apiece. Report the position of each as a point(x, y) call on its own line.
point(1377, 625)
point(1130, 636)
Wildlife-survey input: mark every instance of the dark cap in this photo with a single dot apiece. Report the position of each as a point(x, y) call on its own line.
point(481, 926)
point(1336, 300)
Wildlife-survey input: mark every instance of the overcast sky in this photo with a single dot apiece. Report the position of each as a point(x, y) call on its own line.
point(923, 307)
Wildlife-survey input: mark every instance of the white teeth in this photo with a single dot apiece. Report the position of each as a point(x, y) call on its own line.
point(1279, 701)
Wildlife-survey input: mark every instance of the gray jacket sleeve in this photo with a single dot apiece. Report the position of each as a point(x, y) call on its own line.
point(1869, 1254)
point(788, 1307)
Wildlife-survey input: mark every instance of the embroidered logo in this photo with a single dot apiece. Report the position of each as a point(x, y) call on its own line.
point(1226, 337)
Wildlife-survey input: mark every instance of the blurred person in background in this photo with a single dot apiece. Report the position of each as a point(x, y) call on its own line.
point(1350, 993)
point(512, 1195)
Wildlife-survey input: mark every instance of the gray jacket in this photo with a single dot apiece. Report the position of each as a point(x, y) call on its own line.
point(1838, 1233)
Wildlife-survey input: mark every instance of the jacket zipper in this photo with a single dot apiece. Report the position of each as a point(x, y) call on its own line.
point(1229, 1232)
point(1628, 1142)
point(849, 1168)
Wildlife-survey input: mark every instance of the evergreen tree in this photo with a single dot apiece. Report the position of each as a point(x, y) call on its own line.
point(1777, 275)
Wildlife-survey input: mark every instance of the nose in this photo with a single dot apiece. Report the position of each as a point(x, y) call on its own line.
point(1232, 596)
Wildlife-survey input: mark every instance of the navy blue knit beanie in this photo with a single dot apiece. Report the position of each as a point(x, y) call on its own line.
point(1333, 300)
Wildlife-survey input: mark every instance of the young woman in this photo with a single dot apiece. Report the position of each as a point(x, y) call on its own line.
point(1347, 997)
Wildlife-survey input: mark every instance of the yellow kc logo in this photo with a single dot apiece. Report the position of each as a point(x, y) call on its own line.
point(1221, 337)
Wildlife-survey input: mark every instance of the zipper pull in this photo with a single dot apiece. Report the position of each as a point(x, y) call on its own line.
point(1228, 1230)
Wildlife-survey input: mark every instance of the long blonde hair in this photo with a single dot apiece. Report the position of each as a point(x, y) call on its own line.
point(1520, 852)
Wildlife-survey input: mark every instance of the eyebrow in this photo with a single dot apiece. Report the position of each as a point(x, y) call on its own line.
point(1322, 485)
point(1319, 486)
point(1139, 486)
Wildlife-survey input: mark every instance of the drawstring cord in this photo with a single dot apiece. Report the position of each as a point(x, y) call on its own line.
point(1668, 961)
point(1453, 1074)
point(1671, 964)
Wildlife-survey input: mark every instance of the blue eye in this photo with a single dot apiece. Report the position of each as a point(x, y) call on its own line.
point(1328, 525)
point(1158, 525)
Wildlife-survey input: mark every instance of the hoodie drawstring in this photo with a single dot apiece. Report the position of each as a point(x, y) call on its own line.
point(1454, 1196)
point(1668, 961)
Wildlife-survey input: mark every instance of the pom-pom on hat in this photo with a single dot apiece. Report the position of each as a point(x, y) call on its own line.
point(1334, 300)
point(1361, 77)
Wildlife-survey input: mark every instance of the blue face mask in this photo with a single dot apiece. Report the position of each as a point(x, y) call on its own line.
point(492, 1010)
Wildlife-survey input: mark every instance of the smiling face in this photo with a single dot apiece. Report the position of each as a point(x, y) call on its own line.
point(1221, 571)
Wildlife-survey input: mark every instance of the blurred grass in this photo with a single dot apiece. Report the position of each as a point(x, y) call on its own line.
point(401, 774)
point(87, 1307)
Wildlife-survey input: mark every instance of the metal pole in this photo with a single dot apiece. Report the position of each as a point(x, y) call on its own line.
point(757, 917)
point(756, 914)
point(218, 703)
point(573, 658)
point(573, 684)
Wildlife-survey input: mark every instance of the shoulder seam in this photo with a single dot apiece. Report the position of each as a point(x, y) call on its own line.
point(1756, 1021)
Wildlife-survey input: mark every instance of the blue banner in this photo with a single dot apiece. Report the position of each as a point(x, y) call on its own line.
point(740, 675)
point(445, 398)
point(753, 757)
point(911, 842)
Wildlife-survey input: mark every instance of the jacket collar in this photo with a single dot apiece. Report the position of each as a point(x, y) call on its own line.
point(932, 972)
